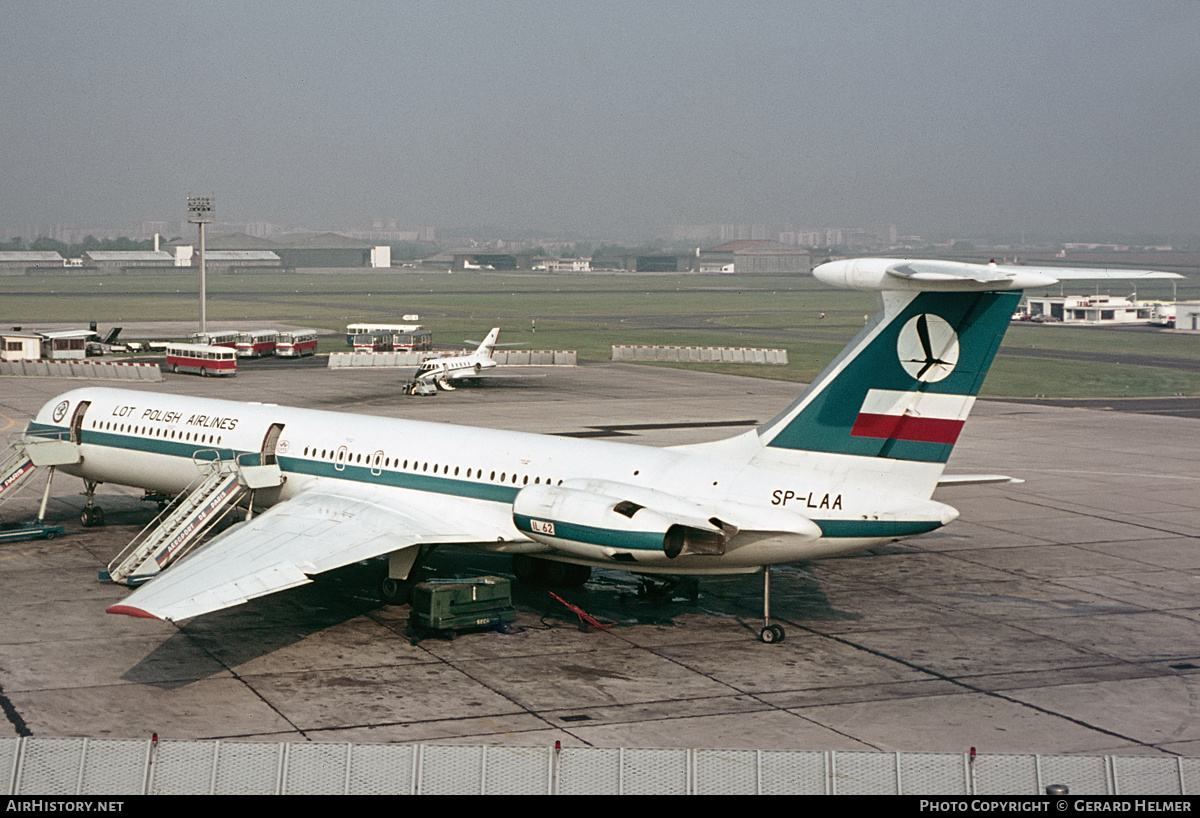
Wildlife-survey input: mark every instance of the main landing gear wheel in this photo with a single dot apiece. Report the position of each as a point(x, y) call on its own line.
point(394, 591)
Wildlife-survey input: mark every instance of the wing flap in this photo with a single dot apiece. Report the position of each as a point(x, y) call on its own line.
point(284, 546)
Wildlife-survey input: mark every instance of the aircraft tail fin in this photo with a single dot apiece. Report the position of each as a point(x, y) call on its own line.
point(902, 389)
point(489, 343)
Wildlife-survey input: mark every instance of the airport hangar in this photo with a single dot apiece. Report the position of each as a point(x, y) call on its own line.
point(1055, 616)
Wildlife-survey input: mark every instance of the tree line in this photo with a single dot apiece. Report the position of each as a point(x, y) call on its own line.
point(78, 248)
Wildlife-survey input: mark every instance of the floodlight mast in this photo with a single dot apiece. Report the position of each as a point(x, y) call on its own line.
point(200, 208)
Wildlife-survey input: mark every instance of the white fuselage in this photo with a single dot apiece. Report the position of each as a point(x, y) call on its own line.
point(153, 441)
point(466, 366)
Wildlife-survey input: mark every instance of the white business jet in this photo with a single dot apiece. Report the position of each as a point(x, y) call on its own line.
point(852, 463)
point(441, 371)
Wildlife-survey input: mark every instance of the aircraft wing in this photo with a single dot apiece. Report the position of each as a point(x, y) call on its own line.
point(284, 546)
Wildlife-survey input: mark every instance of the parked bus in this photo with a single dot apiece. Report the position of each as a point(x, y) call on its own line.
point(368, 329)
point(420, 340)
point(202, 358)
point(296, 344)
point(373, 342)
point(219, 338)
point(257, 344)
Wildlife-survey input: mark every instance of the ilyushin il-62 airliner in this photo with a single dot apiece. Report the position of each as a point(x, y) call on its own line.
point(852, 463)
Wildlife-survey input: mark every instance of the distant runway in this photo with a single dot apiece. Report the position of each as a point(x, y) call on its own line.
point(1184, 406)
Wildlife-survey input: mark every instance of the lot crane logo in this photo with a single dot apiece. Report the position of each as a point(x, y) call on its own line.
point(928, 348)
point(60, 411)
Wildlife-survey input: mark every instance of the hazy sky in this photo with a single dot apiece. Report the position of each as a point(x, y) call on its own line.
point(606, 118)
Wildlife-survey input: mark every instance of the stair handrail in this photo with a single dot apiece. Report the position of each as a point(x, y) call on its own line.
point(207, 468)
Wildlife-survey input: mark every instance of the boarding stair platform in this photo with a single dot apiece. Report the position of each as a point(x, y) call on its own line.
point(19, 462)
point(183, 524)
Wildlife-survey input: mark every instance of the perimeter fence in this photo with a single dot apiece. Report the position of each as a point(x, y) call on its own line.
point(723, 355)
point(90, 766)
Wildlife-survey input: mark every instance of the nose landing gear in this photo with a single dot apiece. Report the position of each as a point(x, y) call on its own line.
point(91, 515)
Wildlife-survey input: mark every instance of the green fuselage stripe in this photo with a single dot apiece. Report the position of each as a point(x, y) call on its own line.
point(450, 486)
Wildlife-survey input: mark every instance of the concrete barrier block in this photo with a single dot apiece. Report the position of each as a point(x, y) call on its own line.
point(566, 357)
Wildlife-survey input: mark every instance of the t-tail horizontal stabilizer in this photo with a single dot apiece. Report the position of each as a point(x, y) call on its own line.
point(959, 276)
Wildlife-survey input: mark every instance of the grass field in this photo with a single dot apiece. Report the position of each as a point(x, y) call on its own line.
point(591, 313)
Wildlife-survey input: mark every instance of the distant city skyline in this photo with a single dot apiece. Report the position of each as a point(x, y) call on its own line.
point(390, 231)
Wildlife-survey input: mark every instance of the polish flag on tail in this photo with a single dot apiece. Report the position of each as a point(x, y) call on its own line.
point(924, 417)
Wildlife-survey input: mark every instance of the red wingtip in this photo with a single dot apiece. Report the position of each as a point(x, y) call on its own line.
point(129, 610)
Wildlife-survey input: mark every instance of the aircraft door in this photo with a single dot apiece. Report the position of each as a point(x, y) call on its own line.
point(270, 441)
point(77, 421)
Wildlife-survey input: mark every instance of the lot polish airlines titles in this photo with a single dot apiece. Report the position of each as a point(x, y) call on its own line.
point(163, 416)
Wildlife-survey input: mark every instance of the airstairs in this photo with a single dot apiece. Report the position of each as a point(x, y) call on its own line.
point(19, 462)
point(15, 469)
point(219, 487)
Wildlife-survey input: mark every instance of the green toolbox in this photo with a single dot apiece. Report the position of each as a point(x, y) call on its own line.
point(444, 607)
